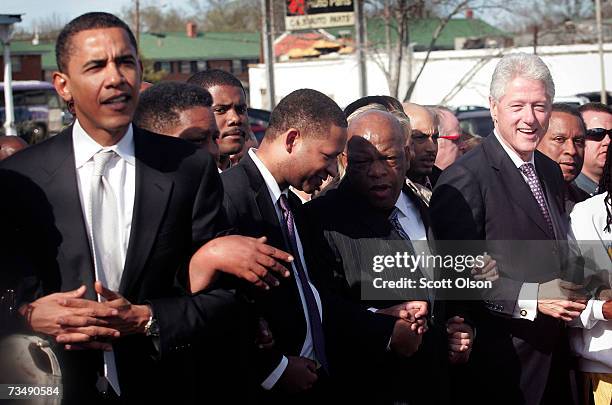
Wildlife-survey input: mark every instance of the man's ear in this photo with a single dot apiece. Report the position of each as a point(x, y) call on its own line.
point(292, 139)
point(61, 82)
point(344, 158)
point(493, 105)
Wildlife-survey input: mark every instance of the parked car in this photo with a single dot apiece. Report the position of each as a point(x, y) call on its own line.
point(595, 96)
point(475, 120)
point(39, 111)
point(258, 119)
point(575, 101)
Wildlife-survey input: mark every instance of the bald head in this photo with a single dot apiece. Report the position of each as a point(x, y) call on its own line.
point(424, 141)
point(422, 119)
point(448, 143)
point(369, 123)
point(376, 157)
point(10, 145)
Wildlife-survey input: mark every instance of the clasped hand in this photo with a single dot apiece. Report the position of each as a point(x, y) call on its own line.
point(80, 323)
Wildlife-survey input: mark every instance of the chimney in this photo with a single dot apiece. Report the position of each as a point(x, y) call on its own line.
point(192, 29)
point(469, 13)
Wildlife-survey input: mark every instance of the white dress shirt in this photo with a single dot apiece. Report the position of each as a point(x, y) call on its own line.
point(410, 219)
point(120, 172)
point(308, 347)
point(527, 304)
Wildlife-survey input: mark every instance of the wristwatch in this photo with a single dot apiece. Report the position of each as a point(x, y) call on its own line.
point(152, 328)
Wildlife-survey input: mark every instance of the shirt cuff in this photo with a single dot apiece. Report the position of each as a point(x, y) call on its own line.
point(372, 309)
point(598, 310)
point(273, 378)
point(527, 304)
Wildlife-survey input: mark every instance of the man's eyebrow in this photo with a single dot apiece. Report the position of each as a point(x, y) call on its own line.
point(94, 62)
point(122, 58)
point(98, 62)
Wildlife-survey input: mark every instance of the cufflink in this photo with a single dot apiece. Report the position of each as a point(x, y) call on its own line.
point(523, 312)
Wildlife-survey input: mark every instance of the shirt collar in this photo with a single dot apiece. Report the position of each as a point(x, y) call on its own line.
point(403, 204)
point(273, 188)
point(516, 159)
point(586, 183)
point(85, 146)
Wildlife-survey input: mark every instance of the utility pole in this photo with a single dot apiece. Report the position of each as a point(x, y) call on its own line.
point(6, 32)
point(604, 94)
point(268, 45)
point(137, 21)
point(360, 36)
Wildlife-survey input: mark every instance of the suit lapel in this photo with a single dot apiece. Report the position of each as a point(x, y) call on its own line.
point(62, 187)
point(556, 203)
point(153, 190)
point(265, 206)
point(516, 187)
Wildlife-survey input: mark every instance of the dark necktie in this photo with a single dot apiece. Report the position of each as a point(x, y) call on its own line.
point(536, 189)
point(316, 327)
point(394, 220)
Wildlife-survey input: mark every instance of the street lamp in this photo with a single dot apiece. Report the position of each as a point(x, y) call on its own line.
point(6, 32)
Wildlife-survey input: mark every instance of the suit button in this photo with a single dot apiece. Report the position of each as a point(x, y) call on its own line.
point(523, 312)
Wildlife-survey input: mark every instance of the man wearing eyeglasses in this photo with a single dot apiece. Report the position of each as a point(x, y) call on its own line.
point(598, 120)
point(449, 140)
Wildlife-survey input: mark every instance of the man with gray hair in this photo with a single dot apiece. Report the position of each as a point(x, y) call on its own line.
point(508, 196)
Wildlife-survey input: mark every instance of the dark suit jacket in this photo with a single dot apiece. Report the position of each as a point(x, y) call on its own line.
point(574, 195)
point(251, 212)
point(483, 197)
point(177, 208)
point(350, 233)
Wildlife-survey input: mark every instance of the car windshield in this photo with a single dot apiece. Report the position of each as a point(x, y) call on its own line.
point(28, 98)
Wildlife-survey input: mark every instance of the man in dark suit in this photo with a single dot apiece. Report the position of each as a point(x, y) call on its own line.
point(113, 214)
point(307, 132)
point(509, 196)
point(181, 110)
point(564, 143)
point(371, 214)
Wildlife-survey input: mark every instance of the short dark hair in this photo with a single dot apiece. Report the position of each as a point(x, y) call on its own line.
point(307, 110)
point(571, 110)
point(597, 107)
point(390, 103)
point(160, 106)
point(215, 77)
point(88, 21)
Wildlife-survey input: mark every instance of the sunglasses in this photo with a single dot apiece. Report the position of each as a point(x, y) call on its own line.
point(454, 137)
point(598, 134)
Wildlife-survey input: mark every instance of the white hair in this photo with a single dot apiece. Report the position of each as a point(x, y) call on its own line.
point(520, 65)
point(366, 108)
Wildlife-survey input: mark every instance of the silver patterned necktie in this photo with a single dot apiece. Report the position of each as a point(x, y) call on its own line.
point(103, 214)
point(536, 189)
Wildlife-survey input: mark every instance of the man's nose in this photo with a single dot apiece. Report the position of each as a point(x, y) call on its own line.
point(332, 168)
point(528, 115)
point(114, 75)
point(233, 118)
